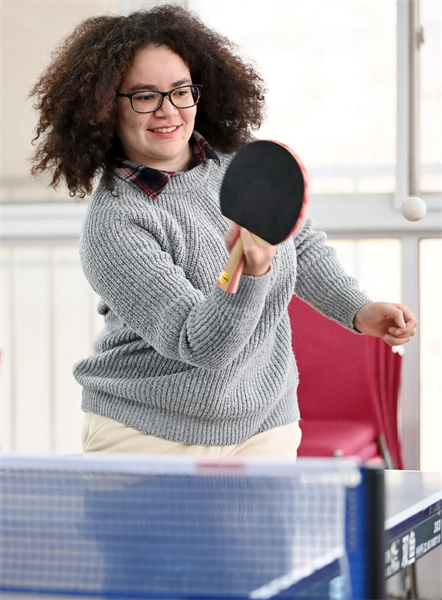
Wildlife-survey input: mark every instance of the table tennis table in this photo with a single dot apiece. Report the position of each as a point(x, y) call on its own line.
point(172, 529)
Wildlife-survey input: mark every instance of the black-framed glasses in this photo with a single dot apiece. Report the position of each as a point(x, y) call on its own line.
point(147, 101)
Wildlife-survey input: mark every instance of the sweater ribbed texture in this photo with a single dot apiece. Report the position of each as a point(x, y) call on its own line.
point(179, 358)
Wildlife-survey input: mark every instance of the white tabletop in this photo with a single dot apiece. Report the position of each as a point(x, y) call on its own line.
point(410, 492)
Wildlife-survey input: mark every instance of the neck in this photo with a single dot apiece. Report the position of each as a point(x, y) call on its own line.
point(178, 163)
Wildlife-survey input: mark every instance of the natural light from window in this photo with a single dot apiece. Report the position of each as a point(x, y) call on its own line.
point(430, 142)
point(430, 256)
point(330, 68)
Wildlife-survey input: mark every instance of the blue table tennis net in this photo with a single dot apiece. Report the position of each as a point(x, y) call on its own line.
point(131, 528)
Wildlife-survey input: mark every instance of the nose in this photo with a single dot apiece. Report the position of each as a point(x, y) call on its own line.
point(167, 108)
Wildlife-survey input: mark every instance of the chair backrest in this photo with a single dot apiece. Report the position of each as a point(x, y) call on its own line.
point(344, 375)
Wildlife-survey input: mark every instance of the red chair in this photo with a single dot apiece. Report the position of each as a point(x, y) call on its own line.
point(348, 391)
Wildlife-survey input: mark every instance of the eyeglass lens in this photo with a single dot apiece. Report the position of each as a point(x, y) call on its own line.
point(149, 101)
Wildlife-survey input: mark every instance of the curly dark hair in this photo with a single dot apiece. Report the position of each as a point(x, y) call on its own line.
point(75, 96)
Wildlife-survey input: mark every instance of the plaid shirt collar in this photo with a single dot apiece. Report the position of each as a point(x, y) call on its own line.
point(152, 181)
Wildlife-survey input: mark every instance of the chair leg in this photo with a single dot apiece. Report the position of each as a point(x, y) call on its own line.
point(385, 452)
point(409, 583)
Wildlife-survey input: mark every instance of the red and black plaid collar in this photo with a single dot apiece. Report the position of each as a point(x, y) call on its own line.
point(153, 181)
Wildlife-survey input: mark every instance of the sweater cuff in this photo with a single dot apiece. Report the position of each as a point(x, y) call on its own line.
point(354, 300)
point(250, 295)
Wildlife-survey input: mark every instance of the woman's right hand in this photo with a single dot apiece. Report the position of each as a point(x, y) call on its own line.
point(257, 257)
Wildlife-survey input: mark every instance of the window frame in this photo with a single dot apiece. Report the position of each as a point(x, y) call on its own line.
point(410, 37)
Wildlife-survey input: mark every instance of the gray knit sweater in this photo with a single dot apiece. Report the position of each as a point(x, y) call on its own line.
point(179, 358)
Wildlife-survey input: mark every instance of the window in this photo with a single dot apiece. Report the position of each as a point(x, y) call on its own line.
point(330, 68)
point(430, 142)
point(430, 287)
point(376, 264)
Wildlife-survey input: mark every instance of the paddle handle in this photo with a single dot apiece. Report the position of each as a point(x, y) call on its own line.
point(231, 274)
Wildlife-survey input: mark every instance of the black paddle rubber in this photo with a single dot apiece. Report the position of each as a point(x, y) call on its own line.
point(264, 190)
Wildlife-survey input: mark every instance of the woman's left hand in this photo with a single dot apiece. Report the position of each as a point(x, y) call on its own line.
point(394, 323)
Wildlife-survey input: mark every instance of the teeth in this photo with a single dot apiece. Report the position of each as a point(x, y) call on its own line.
point(165, 129)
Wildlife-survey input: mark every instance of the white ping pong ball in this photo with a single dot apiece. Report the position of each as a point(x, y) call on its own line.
point(414, 208)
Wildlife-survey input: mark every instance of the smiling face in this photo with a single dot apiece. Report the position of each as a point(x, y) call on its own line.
point(160, 139)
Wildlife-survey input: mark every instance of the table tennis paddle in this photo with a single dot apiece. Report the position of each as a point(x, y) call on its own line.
point(264, 190)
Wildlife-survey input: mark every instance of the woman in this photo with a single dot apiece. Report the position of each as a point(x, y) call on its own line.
point(157, 104)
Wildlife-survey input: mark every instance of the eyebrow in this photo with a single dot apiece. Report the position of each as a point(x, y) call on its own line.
point(150, 86)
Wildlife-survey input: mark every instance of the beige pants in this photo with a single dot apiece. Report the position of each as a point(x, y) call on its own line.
point(101, 434)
